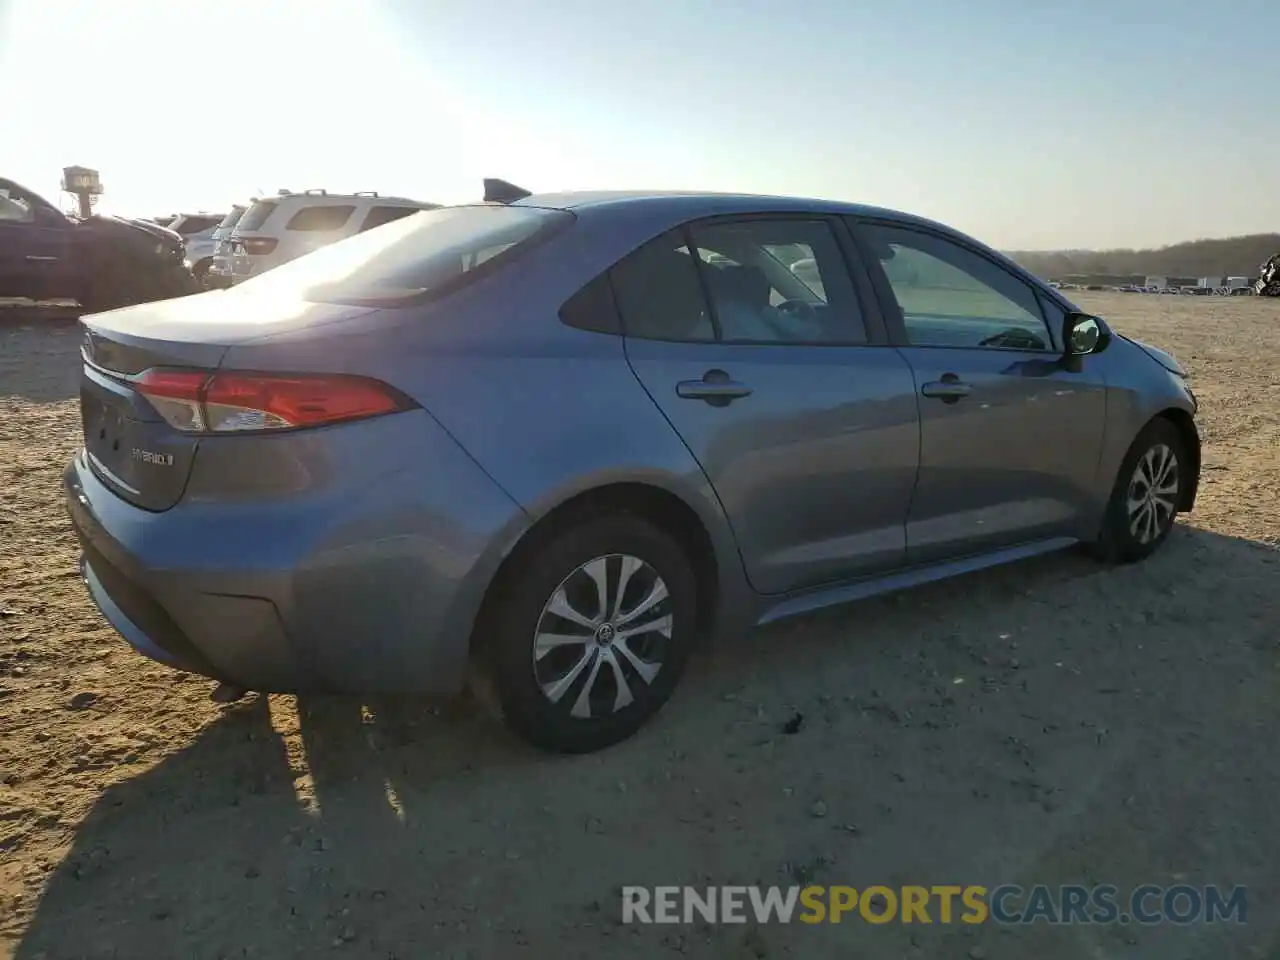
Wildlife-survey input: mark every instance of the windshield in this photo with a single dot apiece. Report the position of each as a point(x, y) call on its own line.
point(429, 252)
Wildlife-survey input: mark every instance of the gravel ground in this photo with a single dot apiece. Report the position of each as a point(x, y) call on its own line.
point(1055, 722)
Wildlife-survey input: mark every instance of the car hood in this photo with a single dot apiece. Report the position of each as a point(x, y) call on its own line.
point(1161, 357)
point(157, 231)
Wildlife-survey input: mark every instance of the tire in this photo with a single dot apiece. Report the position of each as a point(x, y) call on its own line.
point(1123, 538)
point(564, 696)
point(200, 270)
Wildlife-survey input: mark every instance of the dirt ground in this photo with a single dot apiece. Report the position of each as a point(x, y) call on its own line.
point(1055, 722)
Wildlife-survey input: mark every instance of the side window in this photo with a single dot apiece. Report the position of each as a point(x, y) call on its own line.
point(658, 293)
point(15, 208)
point(592, 308)
point(321, 218)
point(779, 281)
point(380, 215)
point(951, 296)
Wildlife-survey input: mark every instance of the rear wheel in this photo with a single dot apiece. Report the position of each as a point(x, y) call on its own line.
point(591, 635)
point(1147, 494)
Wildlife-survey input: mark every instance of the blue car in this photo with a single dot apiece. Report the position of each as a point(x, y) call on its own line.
point(548, 444)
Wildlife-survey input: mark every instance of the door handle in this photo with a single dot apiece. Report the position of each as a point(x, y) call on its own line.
point(715, 388)
point(950, 389)
point(41, 259)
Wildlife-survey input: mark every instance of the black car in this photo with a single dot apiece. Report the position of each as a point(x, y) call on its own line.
point(102, 262)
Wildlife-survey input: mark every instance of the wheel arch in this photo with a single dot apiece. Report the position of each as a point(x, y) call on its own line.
point(1185, 424)
point(667, 510)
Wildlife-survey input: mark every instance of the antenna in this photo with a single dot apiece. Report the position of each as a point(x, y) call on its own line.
point(500, 191)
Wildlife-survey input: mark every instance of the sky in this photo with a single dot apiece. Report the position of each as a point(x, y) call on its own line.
point(1030, 124)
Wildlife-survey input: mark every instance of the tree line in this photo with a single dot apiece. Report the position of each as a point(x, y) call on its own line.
point(1228, 257)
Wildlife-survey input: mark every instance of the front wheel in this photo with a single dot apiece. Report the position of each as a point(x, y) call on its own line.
point(1147, 495)
point(592, 633)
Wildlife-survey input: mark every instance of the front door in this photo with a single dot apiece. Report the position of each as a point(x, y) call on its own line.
point(35, 248)
point(750, 336)
point(1009, 436)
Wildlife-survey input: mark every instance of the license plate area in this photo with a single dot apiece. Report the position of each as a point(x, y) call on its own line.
point(130, 447)
point(108, 434)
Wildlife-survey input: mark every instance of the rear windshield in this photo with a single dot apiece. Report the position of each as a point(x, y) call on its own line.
point(429, 253)
point(232, 218)
point(257, 214)
point(197, 224)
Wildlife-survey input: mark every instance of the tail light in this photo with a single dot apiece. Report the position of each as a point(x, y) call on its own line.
point(197, 401)
point(258, 246)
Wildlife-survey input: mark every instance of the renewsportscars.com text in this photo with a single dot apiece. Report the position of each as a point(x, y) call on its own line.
point(940, 903)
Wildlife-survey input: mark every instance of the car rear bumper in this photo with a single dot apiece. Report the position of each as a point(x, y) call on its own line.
point(170, 617)
point(288, 598)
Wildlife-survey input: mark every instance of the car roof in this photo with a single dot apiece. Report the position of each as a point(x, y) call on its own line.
point(690, 204)
point(321, 198)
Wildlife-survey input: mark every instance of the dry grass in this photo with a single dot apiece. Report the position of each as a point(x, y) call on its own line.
point(1113, 725)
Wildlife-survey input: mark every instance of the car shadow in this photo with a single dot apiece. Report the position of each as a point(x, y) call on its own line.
point(958, 730)
point(39, 355)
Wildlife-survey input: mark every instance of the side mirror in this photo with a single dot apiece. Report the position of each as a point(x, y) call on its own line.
point(1083, 334)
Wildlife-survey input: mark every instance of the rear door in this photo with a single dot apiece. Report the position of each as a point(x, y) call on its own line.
point(802, 418)
point(1010, 435)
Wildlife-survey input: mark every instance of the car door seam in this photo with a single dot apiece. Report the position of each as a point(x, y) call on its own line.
point(694, 457)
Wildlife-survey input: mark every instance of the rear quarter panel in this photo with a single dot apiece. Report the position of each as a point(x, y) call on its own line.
point(547, 411)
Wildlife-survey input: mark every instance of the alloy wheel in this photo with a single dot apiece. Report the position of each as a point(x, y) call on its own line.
point(1153, 493)
point(601, 637)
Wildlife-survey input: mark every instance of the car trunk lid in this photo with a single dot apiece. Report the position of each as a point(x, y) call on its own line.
point(129, 445)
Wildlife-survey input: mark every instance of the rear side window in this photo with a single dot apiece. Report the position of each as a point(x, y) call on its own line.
point(593, 308)
point(659, 293)
point(433, 253)
point(380, 215)
point(328, 217)
point(257, 214)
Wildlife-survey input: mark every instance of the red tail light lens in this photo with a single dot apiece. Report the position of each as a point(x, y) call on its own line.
point(258, 245)
point(196, 401)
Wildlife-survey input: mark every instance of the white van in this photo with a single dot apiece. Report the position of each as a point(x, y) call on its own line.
point(275, 230)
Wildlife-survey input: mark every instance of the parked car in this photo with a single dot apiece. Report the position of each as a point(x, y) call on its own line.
point(101, 261)
point(196, 230)
point(218, 275)
point(277, 229)
point(550, 443)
